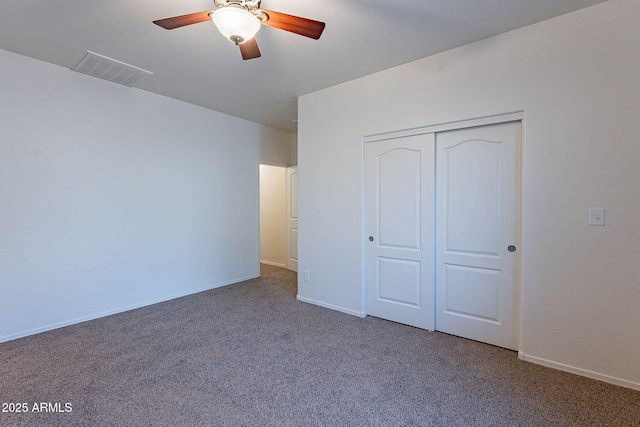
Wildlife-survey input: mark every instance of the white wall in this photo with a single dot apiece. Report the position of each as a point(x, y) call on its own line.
point(111, 197)
point(273, 220)
point(577, 78)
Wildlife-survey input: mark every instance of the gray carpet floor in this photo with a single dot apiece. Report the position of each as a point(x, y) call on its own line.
point(250, 354)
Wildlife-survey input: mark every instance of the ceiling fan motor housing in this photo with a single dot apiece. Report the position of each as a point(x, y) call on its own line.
point(249, 5)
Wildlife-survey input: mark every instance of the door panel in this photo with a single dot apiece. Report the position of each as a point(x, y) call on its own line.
point(399, 204)
point(472, 292)
point(292, 218)
point(399, 281)
point(472, 169)
point(399, 175)
point(478, 172)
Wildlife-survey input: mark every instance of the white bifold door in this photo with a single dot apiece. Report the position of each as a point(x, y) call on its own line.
point(443, 231)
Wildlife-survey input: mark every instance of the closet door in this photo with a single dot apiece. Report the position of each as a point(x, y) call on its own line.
point(477, 217)
point(399, 229)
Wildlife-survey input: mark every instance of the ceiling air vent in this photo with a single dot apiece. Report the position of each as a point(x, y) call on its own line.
point(110, 69)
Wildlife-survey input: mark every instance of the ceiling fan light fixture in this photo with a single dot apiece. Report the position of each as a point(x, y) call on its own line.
point(236, 23)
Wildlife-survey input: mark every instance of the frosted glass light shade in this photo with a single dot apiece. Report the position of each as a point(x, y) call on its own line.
point(236, 24)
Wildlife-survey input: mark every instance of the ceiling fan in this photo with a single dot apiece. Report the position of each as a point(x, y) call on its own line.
point(240, 20)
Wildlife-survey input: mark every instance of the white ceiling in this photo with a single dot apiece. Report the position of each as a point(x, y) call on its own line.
point(196, 64)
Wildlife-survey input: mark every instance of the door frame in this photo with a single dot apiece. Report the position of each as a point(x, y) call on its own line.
point(441, 127)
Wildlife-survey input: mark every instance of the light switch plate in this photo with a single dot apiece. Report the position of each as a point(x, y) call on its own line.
point(596, 216)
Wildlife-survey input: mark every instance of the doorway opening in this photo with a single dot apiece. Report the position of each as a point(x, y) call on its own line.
point(278, 238)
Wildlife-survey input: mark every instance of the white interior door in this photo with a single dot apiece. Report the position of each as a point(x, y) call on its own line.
point(292, 218)
point(478, 181)
point(399, 224)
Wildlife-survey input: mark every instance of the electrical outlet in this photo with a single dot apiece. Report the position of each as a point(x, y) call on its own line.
point(219, 265)
point(307, 276)
point(596, 216)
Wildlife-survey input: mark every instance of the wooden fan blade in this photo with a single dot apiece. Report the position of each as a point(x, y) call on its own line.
point(249, 49)
point(295, 24)
point(183, 20)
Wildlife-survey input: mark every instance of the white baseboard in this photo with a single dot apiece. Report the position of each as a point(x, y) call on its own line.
point(331, 306)
point(275, 264)
point(118, 310)
point(580, 371)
